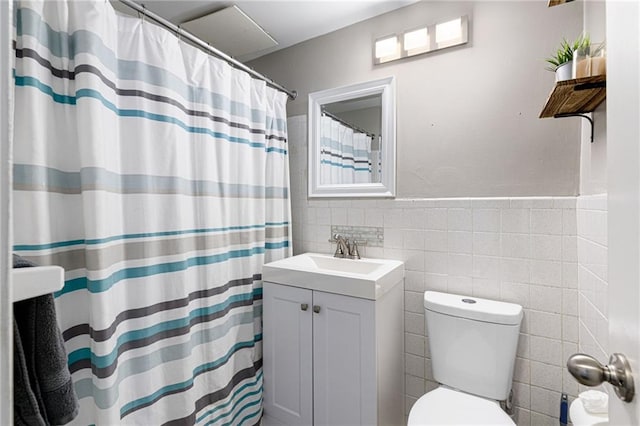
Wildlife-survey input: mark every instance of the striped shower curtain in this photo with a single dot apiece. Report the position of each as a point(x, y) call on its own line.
point(157, 176)
point(345, 154)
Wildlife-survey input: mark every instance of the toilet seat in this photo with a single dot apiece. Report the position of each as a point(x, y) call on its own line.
point(444, 406)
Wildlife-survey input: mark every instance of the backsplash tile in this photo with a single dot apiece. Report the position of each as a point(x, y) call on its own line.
point(365, 236)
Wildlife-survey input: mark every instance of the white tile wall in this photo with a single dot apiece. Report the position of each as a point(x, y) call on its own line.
point(591, 215)
point(532, 251)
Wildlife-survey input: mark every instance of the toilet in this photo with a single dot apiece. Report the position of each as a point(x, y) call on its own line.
point(473, 346)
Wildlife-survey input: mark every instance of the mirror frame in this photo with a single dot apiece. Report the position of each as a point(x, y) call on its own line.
point(386, 87)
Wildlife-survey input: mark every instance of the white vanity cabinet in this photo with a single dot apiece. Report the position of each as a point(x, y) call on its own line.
point(332, 359)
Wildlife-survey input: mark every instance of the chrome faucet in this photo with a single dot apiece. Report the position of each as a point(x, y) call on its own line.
point(344, 249)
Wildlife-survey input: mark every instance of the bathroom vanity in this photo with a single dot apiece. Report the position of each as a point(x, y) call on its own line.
point(333, 336)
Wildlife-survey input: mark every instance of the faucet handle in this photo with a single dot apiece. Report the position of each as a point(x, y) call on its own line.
point(353, 250)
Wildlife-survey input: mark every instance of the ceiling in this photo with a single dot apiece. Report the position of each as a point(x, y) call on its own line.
point(288, 22)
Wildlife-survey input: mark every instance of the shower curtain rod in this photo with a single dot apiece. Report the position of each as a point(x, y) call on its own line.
point(351, 126)
point(205, 46)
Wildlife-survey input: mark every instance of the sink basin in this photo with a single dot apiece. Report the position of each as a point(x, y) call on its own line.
point(352, 266)
point(364, 278)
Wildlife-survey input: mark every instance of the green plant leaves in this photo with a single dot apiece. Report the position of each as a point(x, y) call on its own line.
point(565, 51)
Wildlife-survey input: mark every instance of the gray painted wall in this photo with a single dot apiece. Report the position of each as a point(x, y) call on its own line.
point(468, 116)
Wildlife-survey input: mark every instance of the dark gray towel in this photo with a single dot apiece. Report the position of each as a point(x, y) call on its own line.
point(43, 391)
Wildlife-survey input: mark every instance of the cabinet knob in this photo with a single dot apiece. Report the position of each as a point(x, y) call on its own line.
point(304, 306)
point(316, 309)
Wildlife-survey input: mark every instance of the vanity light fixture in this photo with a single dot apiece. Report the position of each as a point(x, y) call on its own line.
point(449, 33)
point(421, 40)
point(386, 49)
point(416, 41)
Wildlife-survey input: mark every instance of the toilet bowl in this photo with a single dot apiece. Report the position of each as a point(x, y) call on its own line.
point(473, 346)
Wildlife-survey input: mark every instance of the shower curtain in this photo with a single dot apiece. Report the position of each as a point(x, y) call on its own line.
point(345, 153)
point(157, 176)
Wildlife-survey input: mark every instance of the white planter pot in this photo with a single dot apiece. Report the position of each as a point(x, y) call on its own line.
point(563, 72)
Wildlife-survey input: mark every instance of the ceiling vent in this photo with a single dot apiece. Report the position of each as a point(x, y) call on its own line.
point(231, 31)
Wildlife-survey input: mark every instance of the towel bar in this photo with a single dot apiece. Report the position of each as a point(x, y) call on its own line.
point(36, 281)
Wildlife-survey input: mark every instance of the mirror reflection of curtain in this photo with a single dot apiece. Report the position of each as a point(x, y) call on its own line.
point(376, 163)
point(345, 155)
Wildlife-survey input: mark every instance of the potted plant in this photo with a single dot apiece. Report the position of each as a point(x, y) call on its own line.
point(561, 61)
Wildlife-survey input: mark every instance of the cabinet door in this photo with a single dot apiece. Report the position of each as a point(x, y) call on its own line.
point(344, 360)
point(287, 331)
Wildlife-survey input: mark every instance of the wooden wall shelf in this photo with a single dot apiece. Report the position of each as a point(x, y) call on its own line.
point(552, 3)
point(577, 96)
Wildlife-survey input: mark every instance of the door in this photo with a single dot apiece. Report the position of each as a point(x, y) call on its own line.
point(287, 330)
point(623, 157)
point(344, 360)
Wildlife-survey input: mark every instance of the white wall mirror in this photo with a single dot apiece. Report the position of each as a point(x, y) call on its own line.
point(352, 140)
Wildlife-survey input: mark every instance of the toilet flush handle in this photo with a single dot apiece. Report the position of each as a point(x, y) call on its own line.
point(588, 371)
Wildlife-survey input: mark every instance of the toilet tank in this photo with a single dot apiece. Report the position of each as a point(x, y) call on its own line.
point(473, 342)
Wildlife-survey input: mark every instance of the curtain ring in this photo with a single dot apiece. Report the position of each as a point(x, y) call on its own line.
point(144, 12)
point(178, 33)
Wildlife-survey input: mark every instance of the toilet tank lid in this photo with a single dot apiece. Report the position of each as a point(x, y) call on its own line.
point(473, 308)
